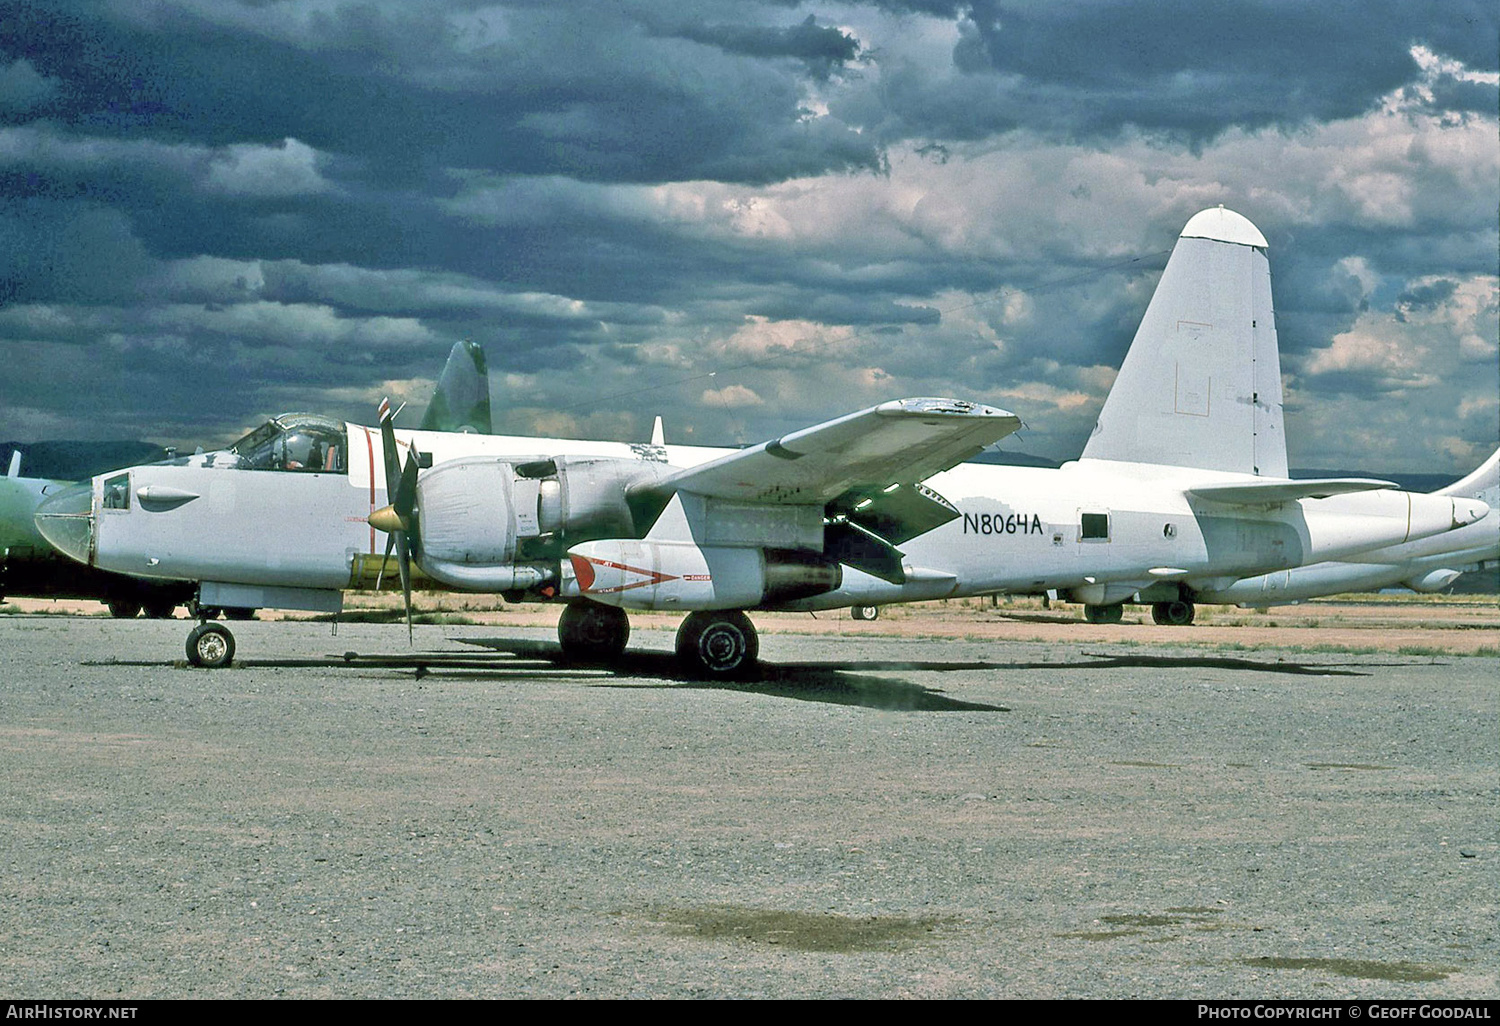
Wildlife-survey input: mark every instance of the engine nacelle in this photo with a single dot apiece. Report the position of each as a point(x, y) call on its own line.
point(492, 524)
point(680, 575)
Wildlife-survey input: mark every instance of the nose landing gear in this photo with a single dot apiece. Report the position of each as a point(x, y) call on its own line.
point(210, 645)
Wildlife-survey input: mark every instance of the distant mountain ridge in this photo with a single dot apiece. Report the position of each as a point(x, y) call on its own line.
point(75, 460)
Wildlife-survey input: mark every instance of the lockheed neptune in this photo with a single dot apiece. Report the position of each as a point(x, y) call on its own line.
point(1182, 489)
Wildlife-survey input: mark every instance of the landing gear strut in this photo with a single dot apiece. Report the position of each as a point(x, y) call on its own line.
point(718, 644)
point(589, 632)
point(1178, 613)
point(1104, 614)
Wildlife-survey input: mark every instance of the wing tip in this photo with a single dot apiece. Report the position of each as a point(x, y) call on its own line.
point(935, 406)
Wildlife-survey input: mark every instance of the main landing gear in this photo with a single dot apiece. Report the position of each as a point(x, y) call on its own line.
point(1178, 613)
point(718, 644)
point(710, 644)
point(1104, 614)
point(589, 632)
point(864, 612)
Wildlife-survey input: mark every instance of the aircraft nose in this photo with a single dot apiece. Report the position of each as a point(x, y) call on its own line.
point(66, 520)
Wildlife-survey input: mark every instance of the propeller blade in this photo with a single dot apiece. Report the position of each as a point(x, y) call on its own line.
point(397, 519)
point(390, 542)
point(388, 449)
point(403, 563)
point(404, 498)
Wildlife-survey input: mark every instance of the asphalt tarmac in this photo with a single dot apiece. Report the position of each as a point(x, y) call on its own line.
point(871, 818)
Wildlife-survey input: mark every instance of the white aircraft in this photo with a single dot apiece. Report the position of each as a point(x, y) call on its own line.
point(1183, 483)
point(1428, 565)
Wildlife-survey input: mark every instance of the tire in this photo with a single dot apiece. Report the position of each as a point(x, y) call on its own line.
point(1104, 614)
point(210, 645)
point(718, 645)
point(1178, 613)
point(160, 610)
point(590, 632)
point(864, 612)
point(124, 609)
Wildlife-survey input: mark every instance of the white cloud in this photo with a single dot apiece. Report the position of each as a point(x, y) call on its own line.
point(731, 397)
point(246, 169)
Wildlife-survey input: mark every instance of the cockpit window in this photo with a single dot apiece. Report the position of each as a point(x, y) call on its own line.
point(297, 442)
point(117, 492)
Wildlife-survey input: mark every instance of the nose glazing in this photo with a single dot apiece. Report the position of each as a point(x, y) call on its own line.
point(66, 520)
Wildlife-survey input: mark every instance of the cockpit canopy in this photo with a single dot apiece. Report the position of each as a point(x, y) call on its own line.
point(295, 441)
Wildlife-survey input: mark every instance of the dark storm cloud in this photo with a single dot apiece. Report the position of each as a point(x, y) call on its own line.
point(821, 48)
point(234, 208)
point(1179, 67)
point(583, 89)
point(1425, 297)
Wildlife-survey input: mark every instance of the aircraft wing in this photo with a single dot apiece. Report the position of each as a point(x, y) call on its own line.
point(1270, 492)
point(900, 442)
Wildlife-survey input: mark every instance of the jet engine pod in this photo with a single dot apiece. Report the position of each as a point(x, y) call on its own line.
point(680, 575)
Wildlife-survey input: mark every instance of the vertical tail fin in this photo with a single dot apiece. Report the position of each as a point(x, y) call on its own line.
point(1201, 384)
point(462, 399)
point(1483, 483)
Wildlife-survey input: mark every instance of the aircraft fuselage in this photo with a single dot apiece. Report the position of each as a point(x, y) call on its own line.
point(1095, 527)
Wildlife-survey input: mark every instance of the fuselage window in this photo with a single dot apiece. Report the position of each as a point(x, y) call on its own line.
point(1094, 527)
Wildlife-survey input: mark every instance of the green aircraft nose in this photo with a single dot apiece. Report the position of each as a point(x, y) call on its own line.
point(66, 520)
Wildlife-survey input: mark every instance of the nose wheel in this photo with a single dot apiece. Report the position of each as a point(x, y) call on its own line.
point(210, 645)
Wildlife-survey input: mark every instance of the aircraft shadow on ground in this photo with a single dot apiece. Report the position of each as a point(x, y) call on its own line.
point(833, 682)
point(840, 682)
point(837, 682)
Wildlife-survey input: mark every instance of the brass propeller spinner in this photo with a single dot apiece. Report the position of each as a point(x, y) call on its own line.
point(387, 519)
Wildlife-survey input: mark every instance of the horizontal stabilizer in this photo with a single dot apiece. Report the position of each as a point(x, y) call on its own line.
point(900, 442)
point(1266, 493)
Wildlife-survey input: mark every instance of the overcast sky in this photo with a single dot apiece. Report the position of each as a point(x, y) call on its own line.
point(745, 215)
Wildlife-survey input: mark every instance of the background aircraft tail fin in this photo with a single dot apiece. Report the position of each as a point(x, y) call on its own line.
point(1483, 483)
point(462, 399)
point(1201, 384)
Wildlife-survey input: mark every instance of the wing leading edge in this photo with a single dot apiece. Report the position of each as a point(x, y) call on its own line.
point(900, 442)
